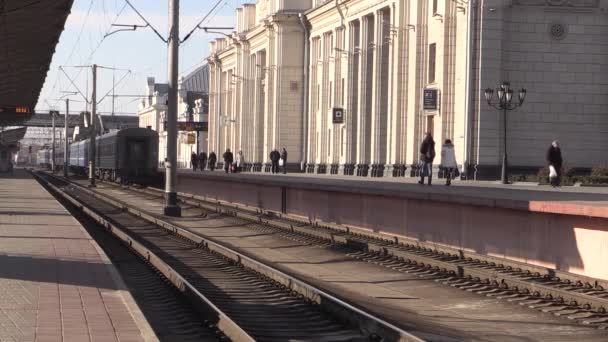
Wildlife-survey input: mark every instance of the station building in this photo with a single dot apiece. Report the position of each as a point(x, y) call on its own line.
point(351, 86)
point(193, 104)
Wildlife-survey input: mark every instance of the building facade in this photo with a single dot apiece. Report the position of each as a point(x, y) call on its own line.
point(193, 106)
point(352, 86)
point(256, 80)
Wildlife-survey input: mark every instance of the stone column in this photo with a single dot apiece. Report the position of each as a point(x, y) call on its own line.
point(352, 101)
point(366, 95)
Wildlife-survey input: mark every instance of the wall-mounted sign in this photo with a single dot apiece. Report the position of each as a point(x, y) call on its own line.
point(431, 99)
point(338, 115)
point(193, 126)
point(191, 139)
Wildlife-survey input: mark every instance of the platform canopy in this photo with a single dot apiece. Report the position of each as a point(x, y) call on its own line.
point(29, 33)
point(10, 138)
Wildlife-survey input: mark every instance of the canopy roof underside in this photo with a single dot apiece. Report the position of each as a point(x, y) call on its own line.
point(29, 33)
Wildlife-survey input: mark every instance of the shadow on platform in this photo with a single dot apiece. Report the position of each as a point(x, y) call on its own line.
point(61, 271)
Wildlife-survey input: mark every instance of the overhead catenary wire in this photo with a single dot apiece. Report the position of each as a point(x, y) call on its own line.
point(146, 21)
point(114, 86)
point(80, 33)
point(73, 84)
point(110, 28)
point(200, 22)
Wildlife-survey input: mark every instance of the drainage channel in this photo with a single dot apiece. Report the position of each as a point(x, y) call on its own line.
point(265, 303)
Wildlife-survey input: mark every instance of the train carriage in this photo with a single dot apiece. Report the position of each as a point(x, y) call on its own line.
point(59, 158)
point(5, 160)
point(79, 157)
point(127, 155)
point(43, 158)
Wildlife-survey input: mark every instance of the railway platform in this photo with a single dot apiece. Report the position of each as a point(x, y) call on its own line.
point(56, 284)
point(563, 229)
point(427, 309)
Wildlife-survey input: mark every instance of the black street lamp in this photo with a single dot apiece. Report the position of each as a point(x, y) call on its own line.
point(504, 95)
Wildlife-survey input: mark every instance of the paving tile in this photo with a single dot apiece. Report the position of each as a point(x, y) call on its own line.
point(56, 287)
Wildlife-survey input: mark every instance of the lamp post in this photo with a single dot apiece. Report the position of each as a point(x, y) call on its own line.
point(503, 102)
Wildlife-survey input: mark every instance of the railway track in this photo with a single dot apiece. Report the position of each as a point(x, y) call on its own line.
point(246, 299)
point(171, 317)
point(577, 298)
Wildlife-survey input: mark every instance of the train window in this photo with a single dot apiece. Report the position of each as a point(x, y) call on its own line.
point(3, 155)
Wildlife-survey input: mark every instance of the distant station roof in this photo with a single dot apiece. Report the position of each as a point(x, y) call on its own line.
point(109, 121)
point(29, 32)
point(10, 137)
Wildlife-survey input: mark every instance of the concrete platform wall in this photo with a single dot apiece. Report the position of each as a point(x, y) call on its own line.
point(569, 243)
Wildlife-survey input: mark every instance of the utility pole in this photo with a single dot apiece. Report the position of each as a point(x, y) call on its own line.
point(65, 145)
point(53, 143)
point(93, 129)
point(113, 95)
point(171, 207)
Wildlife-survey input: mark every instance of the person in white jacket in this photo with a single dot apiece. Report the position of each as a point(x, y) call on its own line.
point(240, 161)
point(448, 160)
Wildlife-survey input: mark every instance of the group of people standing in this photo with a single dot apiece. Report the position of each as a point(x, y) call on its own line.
point(427, 155)
point(234, 164)
point(278, 160)
point(203, 161)
point(449, 164)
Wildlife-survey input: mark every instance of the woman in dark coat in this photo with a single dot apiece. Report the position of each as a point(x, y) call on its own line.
point(427, 154)
point(212, 160)
point(194, 161)
point(284, 157)
point(554, 158)
point(228, 160)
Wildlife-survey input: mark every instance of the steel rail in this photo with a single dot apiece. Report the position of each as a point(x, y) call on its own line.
point(224, 323)
point(551, 286)
point(339, 308)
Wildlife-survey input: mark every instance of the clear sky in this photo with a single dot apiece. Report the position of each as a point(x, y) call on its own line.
point(141, 51)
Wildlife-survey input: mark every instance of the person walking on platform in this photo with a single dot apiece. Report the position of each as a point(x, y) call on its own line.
point(283, 160)
point(554, 158)
point(194, 161)
point(427, 154)
point(212, 160)
point(448, 161)
point(228, 160)
point(240, 161)
point(202, 160)
point(274, 159)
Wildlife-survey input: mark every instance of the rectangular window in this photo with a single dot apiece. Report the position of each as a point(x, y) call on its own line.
point(434, 7)
point(432, 57)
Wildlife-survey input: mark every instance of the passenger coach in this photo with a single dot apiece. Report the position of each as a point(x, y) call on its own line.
point(128, 155)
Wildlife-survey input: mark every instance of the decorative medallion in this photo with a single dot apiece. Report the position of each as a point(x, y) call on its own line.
point(558, 31)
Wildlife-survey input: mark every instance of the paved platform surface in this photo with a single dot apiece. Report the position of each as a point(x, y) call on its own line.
point(569, 200)
point(56, 284)
point(431, 310)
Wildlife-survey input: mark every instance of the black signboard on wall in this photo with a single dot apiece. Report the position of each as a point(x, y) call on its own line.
point(191, 126)
point(431, 99)
point(338, 115)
